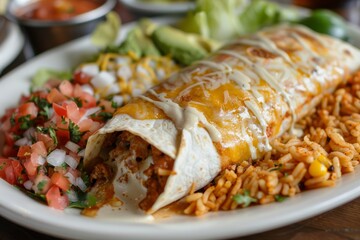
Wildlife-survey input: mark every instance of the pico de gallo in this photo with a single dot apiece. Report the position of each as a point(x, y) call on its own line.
point(45, 139)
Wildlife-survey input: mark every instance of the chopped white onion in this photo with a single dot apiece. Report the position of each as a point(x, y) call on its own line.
point(91, 111)
point(72, 196)
point(124, 72)
point(71, 161)
point(30, 133)
point(123, 60)
point(28, 184)
point(41, 160)
point(81, 153)
point(88, 89)
point(119, 100)
point(113, 89)
point(80, 183)
point(72, 146)
point(56, 157)
point(90, 69)
point(103, 79)
point(23, 142)
point(71, 178)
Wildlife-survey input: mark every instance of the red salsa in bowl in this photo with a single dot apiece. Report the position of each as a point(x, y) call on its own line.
point(57, 10)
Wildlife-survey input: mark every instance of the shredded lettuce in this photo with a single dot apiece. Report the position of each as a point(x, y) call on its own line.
point(226, 19)
point(213, 19)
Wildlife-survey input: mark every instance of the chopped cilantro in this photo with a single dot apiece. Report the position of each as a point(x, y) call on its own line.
point(52, 134)
point(85, 201)
point(280, 198)
point(12, 119)
point(43, 104)
point(41, 185)
point(114, 104)
point(51, 131)
point(244, 199)
point(105, 115)
point(25, 122)
point(75, 134)
point(77, 101)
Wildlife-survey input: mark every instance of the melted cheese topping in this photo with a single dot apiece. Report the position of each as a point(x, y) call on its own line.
point(249, 92)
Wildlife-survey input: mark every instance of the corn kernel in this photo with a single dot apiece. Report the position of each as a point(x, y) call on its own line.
point(317, 169)
point(324, 160)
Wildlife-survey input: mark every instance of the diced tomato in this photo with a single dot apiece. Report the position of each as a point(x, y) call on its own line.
point(63, 135)
point(87, 100)
point(42, 184)
point(61, 181)
point(59, 110)
point(30, 167)
point(46, 139)
point(7, 171)
point(106, 105)
point(9, 151)
point(81, 77)
point(9, 139)
point(24, 152)
point(62, 123)
point(55, 199)
point(73, 112)
point(55, 96)
point(19, 172)
point(27, 109)
point(66, 88)
point(85, 125)
point(40, 148)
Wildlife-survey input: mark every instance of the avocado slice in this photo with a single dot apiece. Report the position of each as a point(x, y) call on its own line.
point(138, 43)
point(179, 45)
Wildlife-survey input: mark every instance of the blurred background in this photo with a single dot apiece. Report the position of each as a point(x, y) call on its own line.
point(28, 37)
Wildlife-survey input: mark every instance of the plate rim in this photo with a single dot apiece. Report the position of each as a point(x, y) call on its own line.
point(348, 187)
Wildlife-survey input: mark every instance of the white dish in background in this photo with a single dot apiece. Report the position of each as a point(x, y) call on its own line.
point(158, 8)
point(11, 46)
point(21, 209)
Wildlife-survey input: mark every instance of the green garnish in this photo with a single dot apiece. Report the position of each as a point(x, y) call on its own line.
point(44, 75)
point(114, 104)
point(244, 199)
point(280, 198)
point(43, 104)
point(105, 115)
point(77, 101)
point(85, 201)
point(41, 185)
point(25, 122)
point(75, 134)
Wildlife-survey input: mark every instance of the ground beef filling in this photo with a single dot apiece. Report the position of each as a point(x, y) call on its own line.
point(156, 182)
point(131, 146)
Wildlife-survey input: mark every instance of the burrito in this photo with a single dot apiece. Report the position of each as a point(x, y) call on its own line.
point(217, 112)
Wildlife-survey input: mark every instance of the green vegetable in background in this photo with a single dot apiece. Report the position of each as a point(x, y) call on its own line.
point(259, 14)
point(106, 32)
point(213, 19)
point(44, 75)
point(227, 19)
point(327, 22)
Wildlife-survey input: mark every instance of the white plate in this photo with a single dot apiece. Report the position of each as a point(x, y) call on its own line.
point(11, 46)
point(158, 8)
point(22, 210)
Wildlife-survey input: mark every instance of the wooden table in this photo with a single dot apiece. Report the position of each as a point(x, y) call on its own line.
point(340, 223)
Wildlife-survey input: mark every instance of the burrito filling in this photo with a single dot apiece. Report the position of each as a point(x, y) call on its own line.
point(135, 160)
